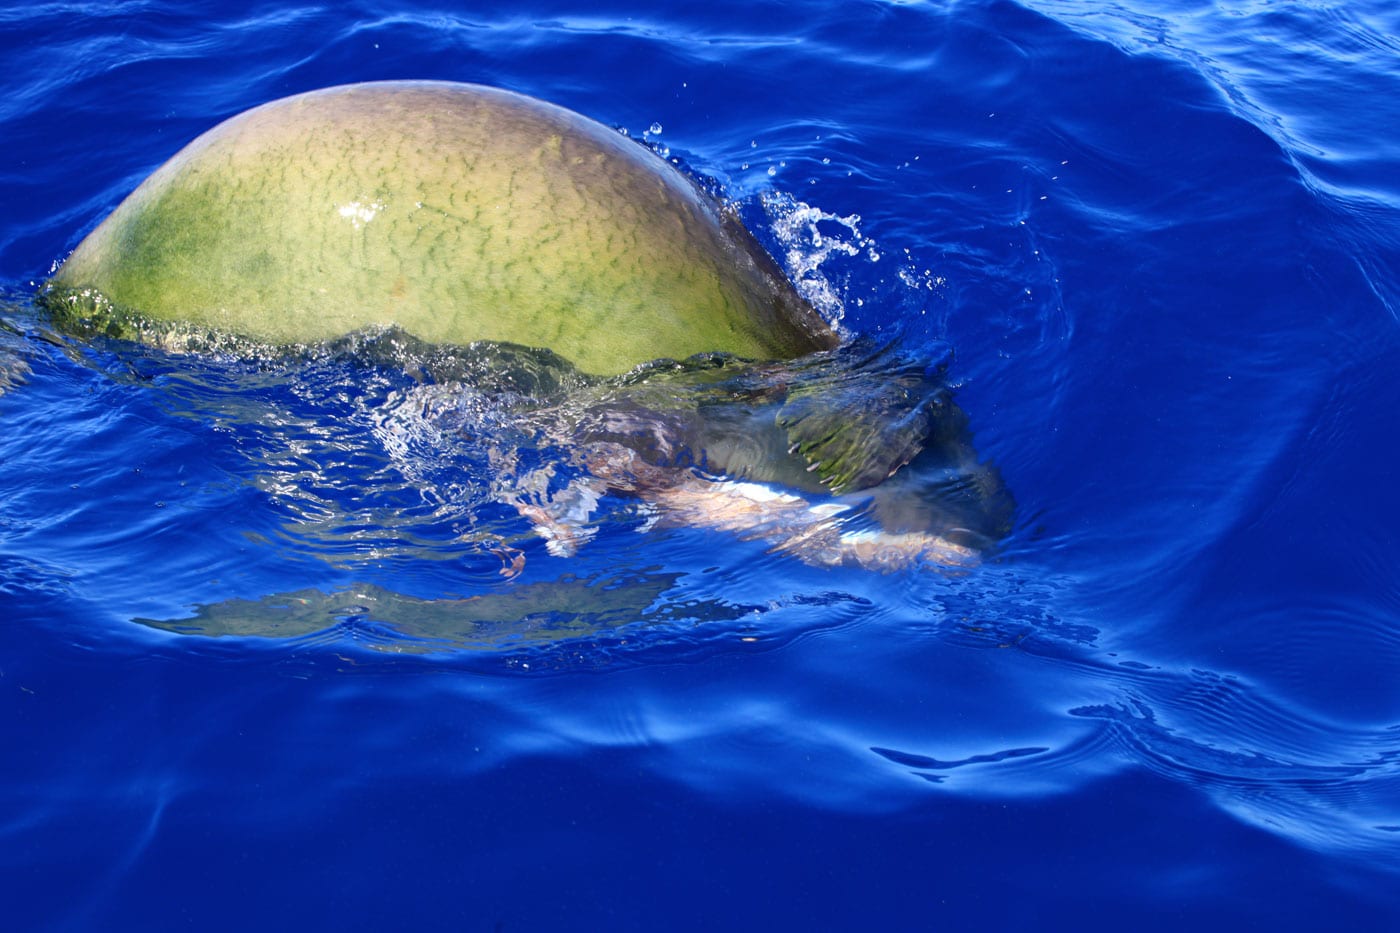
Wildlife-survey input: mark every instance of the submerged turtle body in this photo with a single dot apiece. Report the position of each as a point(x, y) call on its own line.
point(786, 450)
point(457, 213)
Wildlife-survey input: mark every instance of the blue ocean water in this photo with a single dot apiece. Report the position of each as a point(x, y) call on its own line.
point(1161, 238)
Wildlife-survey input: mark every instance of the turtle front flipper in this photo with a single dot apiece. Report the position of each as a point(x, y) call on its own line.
point(857, 420)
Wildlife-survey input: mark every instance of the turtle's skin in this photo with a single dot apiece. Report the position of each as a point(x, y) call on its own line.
point(454, 212)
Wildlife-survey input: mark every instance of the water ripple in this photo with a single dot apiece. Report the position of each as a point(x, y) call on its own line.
point(1161, 238)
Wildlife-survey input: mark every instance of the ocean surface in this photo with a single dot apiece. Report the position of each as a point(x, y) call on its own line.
point(262, 668)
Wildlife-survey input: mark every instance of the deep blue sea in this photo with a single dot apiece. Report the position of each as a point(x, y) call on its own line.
point(1160, 237)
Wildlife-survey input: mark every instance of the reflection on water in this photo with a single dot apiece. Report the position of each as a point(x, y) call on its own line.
point(389, 621)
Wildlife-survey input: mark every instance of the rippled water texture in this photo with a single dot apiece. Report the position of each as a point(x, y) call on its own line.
point(284, 647)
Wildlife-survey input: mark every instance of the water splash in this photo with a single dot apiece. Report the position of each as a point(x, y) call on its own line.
point(811, 239)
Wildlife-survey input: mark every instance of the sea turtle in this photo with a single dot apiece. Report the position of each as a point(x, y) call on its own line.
point(682, 365)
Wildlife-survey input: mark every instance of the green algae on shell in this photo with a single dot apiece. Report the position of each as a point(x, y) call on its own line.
point(455, 212)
